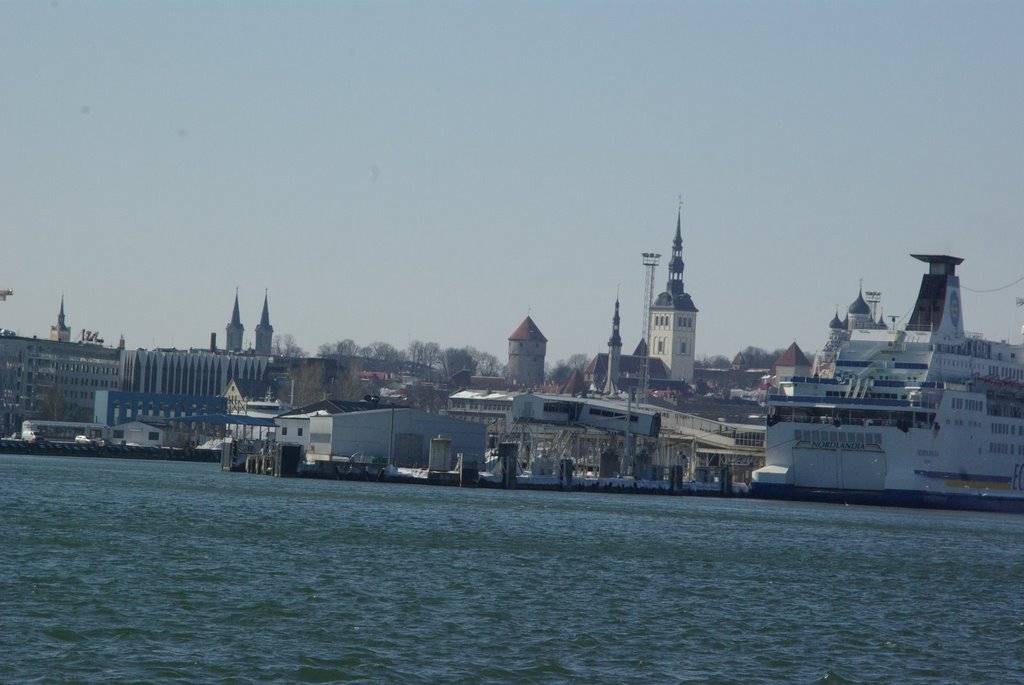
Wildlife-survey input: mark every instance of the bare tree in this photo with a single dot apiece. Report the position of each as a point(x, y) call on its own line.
point(713, 362)
point(578, 361)
point(426, 397)
point(384, 356)
point(559, 373)
point(53, 404)
point(341, 350)
point(455, 359)
point(424, 355)
point(285, 346)
point(486, 363)
point(348, 386)
point(309, 383)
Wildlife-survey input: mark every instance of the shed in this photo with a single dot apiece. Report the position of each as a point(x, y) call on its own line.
point(400, 433)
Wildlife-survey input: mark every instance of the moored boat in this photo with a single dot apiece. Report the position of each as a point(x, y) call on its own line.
point(921, 415)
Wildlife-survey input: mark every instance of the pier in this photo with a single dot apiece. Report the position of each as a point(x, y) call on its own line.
point(55, 448)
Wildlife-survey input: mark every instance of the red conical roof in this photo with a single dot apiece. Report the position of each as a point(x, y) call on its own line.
point(528, 331)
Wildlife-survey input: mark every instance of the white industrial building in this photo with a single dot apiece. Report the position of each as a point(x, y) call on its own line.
point(401, 433)
point(293, 426)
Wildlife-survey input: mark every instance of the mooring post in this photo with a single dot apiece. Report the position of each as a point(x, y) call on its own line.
point(565, 473)
point(508, 453)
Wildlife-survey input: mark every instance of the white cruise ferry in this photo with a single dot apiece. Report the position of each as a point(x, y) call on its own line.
point(925, 415)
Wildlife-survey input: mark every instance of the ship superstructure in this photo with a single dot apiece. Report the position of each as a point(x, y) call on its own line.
point(923, 415)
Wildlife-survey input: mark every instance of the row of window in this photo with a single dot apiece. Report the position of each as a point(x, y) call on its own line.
point(486, 406)
point(968, 405)
point(87, 368)
point(80, 395)
point(1006, 372)
point(665, 321)
point(846, 437)
point(284, 431)
point(1007, 429)
point(1005, 448)
point(659, 346)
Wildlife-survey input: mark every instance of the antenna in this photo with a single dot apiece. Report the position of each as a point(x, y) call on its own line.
point(872, 297)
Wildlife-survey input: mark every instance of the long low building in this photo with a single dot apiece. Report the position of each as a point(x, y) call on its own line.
point(609, 415)
point(402, 433)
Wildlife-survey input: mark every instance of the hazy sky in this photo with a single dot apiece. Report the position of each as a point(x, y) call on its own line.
point(392, 171)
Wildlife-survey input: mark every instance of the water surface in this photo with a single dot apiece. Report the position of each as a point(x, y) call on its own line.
point(138, 571)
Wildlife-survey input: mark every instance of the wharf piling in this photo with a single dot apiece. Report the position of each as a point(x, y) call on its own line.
point(508, 457)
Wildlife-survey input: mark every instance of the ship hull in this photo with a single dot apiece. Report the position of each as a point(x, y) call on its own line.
point(917, 499)
point(890, 466)
point(926, 415)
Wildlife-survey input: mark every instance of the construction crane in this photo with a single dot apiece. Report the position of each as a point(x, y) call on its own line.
point(4, 292)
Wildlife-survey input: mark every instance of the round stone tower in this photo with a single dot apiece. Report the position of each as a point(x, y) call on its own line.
point(526, 349)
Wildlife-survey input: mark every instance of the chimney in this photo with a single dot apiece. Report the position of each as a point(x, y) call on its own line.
point(213, 342)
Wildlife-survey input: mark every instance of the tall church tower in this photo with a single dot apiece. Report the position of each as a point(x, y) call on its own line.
point(611, 383)
point(234, 330)
point(674, 317)
point(61, 331)
point(526, 349)
point(264, 331)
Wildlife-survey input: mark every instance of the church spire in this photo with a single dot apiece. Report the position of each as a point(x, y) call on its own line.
point(675, 266)
point(611, 380)
point(234, 329)
point(264, 331)
point(616, 339)
point(265, 316)
point(236, 319)
point(61, 331)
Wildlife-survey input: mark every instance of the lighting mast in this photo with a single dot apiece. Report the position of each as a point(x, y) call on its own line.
point(650, 263)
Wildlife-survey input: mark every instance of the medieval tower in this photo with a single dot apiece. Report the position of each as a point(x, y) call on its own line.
point(526, 349)
point(673, 324)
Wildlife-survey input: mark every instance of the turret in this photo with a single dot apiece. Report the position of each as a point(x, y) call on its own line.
point(526, 349)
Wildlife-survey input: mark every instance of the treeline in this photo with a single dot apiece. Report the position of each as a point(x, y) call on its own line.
point(748, 358)
point(424, 359)
point(430, 361)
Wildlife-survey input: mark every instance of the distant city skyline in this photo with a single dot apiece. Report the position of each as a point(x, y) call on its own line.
point(399, 171)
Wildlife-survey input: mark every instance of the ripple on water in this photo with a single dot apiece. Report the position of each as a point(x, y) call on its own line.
point(177, 573)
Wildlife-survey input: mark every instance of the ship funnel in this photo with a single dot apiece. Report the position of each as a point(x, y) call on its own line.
point(939, 297)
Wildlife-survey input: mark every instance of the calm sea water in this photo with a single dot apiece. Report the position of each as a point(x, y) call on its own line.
point(144, 572)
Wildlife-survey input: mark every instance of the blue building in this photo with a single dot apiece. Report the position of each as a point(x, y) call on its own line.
point(115, 408)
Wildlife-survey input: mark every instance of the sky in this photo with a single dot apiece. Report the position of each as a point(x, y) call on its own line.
point(437, 171)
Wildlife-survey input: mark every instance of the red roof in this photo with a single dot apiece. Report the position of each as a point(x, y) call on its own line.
point(574, 385)
point(793, 357)
point(528, 331)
